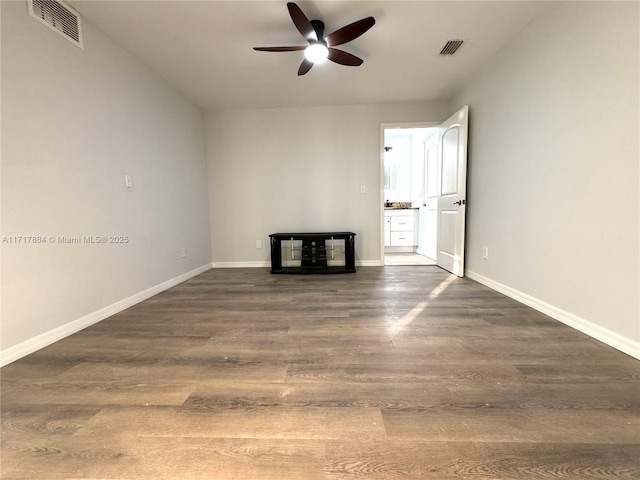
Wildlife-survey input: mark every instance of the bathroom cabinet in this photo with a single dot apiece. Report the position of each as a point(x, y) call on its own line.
point(400, 228)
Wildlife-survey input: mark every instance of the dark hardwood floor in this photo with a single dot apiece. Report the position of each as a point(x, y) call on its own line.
point(388, 373)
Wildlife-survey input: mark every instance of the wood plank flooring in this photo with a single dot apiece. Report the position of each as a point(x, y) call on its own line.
point(388, 373)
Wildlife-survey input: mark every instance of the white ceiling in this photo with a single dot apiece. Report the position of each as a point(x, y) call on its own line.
point(204, 48)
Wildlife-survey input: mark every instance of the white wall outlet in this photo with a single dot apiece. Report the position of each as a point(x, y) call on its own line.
point(183, 251)
point(363, 189)
point(258, 243)
point(128, 183)
point(485, 253)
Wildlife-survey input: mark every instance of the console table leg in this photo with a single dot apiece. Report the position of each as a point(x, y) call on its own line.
point(276, 254)
point(350, 254)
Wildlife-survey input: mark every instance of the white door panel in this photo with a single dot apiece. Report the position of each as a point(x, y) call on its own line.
point(450, 166)
point(432, 170)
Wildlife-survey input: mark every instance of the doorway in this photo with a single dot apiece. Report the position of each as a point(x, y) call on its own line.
point(409, 156)
point(425, 195)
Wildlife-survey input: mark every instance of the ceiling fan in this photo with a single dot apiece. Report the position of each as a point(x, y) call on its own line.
point(321, 48)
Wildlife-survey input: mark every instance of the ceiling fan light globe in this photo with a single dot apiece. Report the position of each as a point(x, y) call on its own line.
point(316, 53)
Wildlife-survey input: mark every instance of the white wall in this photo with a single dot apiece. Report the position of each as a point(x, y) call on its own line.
point(553, 167)
point(299, 169)
point(73, 123)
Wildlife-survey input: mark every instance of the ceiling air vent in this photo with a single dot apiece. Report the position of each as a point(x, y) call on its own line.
point(451, 47)
point(59, 17)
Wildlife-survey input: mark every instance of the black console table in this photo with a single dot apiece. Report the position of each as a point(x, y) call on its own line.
point(317, 248)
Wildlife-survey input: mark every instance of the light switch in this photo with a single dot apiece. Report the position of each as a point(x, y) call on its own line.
point(127, 181)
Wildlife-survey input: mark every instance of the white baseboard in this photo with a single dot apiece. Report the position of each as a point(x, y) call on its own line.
point(22, 349)
point(241, 264)
point(624, 344)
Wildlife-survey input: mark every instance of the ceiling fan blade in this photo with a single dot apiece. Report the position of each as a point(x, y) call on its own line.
point(301, 22)
point(350, 32)
point(344, 58)
point(278, 49)
point(305, 66)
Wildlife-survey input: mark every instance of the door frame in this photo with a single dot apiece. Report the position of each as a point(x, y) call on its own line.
point(383, 127)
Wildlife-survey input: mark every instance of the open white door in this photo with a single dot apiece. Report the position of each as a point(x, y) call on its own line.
point(452, 186)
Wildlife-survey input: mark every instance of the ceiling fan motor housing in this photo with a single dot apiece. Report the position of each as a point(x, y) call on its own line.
point(320, 47)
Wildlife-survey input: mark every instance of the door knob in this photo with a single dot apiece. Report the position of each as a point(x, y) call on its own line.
point(460, 202)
